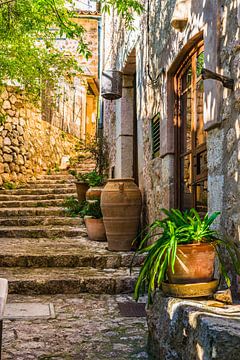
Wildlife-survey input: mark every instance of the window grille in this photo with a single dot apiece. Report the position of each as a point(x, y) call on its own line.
point(155, 130)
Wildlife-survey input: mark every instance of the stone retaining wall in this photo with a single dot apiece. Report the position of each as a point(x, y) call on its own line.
point(191, 330)
point(28, 145)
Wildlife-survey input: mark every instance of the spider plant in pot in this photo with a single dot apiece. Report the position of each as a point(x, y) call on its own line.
point(81, 184)
point(184, 253)
point(92, 215)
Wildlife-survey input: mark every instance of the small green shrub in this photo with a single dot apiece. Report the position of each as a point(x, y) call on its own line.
point(78, 176)
point(56, 168)
point(94, 179)
point(73, 207)
point(2, 119)
point(9, 185)
point(93, 209)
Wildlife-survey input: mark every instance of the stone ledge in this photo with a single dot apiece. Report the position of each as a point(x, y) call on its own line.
point(191, 330)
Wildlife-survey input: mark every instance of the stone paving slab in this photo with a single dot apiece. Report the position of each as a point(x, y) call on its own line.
point(86, 327)
point(29, 311)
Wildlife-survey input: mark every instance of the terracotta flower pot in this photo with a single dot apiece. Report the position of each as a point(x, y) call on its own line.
point(95, 229)
point(194, 264)
point(81, 190)
point(94, 193)
point(121, 203)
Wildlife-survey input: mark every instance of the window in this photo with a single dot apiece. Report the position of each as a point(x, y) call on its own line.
point(155, 131)
point(191, 138)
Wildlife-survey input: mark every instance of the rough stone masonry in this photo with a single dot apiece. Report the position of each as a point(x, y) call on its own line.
point(28, 145)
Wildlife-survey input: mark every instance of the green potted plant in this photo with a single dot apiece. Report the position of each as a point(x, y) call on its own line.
point(182, 258)
point(92, 215)
point(81, 184)
point(95, 182)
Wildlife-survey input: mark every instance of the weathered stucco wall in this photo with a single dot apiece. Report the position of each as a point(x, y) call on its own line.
point(28, 145)
point(157, 55)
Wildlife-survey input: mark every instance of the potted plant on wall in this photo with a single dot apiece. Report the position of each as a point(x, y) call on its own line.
point(92, 215)
point(182, 258)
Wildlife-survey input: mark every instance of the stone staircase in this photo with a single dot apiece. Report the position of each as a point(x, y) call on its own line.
point(43, 251)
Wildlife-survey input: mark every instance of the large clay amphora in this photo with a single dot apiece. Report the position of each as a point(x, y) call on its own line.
point(121, 203)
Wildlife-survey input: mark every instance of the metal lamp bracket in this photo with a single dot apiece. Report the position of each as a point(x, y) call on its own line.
point(226, 81)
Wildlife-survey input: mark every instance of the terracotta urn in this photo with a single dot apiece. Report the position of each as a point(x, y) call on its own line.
point(121, 203)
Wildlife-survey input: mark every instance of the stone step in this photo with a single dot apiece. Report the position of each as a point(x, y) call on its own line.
point(55, 177)
point(34, 197)
point(50, 281)
point(32, 203)
point(52, 181)
point(49, 186)
point(40, 220)
point(35, 211)
point(41, 191)
point(63, 252)
point(44, 231)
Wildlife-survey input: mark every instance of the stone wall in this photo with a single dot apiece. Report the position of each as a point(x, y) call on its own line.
point(192, 330)
point(28, 145)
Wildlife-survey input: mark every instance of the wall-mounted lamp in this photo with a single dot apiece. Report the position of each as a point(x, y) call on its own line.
point(111, 84)
point(181, 14)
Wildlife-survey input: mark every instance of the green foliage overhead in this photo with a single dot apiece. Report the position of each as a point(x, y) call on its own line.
point(27, 38)
point(125, 8)
point(28, 29)
point(175, 229)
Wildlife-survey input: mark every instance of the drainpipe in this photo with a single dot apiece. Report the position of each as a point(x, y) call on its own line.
point(100, 54)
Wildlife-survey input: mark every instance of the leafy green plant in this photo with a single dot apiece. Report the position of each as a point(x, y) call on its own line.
point(80, 177)
point(93, 209)
point(177, 228)
point(3, 118)
point(94, 148)
point(73, 207)
point(127, 9)
point(9, 185)
point(56, 168)
point(94, 179)
point(49, 172)
point(28, 30)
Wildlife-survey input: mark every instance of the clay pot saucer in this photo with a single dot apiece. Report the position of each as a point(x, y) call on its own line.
point(190, 290)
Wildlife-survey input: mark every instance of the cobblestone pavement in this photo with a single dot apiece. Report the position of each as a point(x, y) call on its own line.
point(86, 327)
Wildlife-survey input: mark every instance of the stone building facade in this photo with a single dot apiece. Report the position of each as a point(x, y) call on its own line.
point(183, 150)
point(75, 108)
